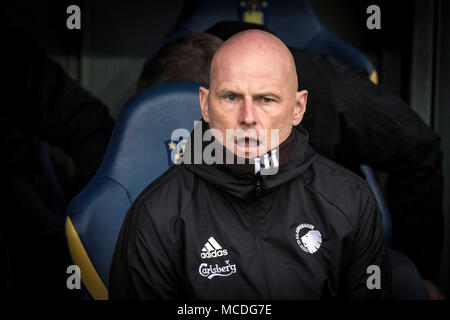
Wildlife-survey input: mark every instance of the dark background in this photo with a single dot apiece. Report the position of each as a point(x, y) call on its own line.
point(411, 53)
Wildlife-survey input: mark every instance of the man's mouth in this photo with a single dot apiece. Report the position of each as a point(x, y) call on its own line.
point(247, 144)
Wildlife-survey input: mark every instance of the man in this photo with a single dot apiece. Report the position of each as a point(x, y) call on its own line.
point(308, 230)
point(365, 124)
point(185, 59)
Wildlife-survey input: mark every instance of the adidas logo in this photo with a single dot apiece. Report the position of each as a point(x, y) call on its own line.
point(212, 249)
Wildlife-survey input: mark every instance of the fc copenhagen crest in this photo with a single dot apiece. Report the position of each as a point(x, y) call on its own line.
point(308, 238)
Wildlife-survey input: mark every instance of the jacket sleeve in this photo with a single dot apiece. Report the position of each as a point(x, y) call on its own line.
point(367, 274)
point(147, 257)
point(382, 131)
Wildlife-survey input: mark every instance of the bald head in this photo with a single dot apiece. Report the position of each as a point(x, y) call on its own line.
point(255, 51)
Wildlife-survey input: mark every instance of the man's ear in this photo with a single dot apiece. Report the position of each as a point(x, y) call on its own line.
point(203, 94)
point(300, 106)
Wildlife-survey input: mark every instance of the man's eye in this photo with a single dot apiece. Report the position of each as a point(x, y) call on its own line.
point(231, 97)
point(267, 100)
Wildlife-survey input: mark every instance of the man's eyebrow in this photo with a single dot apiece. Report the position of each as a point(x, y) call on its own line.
point(224, 92)
point(269, 94)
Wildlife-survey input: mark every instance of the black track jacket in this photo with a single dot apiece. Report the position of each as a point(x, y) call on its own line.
point(311, 231)
point(352, 121)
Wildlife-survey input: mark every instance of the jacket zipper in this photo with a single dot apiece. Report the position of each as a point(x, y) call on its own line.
point(256, 226)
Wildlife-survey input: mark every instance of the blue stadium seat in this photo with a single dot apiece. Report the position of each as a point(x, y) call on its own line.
point(294, 22)
point(136, 155)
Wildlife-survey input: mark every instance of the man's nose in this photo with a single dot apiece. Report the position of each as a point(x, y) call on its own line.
point(248, 116)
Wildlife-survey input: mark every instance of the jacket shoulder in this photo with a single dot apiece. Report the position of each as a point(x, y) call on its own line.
point(169, 194)
point(343, 189)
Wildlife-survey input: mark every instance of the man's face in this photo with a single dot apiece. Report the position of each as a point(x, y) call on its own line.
point(253, 86)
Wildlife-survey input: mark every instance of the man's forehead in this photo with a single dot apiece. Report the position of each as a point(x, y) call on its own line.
point(253, 84)
point(247, 73)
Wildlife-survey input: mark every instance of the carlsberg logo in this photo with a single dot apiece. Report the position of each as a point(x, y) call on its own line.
point(210, 271)
point(214, 254)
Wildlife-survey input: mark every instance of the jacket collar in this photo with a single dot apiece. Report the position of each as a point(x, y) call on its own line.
point(244, 185)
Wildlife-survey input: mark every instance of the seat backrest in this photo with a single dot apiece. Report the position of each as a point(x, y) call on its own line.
point(136, 155)
point(295, 22)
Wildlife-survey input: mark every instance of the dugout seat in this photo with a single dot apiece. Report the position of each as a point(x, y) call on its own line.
point(295, 22)
point(136, 155)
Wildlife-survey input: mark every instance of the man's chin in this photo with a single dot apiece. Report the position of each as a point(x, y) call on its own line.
point(249, 152)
